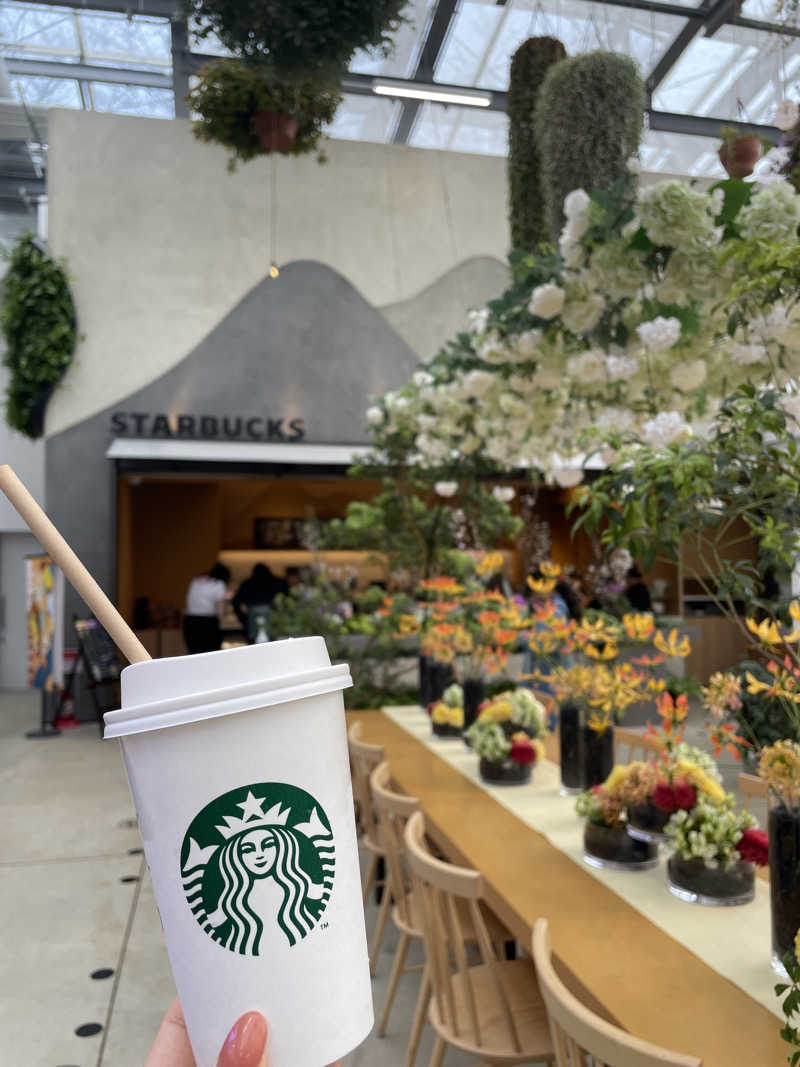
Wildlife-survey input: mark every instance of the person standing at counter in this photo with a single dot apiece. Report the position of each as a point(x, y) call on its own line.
point(205, 599)
point(260, 589)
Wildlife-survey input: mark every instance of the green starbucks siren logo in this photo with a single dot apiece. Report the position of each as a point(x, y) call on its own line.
point(258, 855)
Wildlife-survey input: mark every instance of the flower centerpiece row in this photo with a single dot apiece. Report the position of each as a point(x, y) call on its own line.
point(507, 736)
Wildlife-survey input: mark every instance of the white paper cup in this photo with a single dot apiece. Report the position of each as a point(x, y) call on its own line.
point(237, 761)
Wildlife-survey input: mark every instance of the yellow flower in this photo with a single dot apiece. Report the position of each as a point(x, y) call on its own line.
point(443, 714)
point(797, 936)
point(490, 563)
point(550, 569)
point(768, 632)
point(794, 610)
point(616, 779)
point(599, 722)
point(608, 651)
point(499, 710)
point(702, 781)
point(541, 586)
point(407, 624)
point(638, 625)
point(754, 686)
point(675, 644)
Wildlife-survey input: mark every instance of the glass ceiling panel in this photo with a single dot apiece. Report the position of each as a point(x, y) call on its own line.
point(112, 36)
point(677, 153)
point(736, 74)
point(460, 129)
point(408, 43)
point(49, 29)
point(484, 36)
point(46, 92)
point(364, 118)
point(133, 100)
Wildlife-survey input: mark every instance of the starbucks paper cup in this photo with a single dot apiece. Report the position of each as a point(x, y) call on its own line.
point(237, 761)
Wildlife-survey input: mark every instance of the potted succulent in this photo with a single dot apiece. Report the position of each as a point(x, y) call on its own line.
point(606, 842)
point(739, 151)
point(447, 714)
point(246, 107)
point(715, 850)
point(504, 760)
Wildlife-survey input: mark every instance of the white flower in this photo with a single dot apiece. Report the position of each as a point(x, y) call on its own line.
point(547, 378)
point(374, 416)
point(478, 319)
point(572, 252)
point(660, 334)
point(773, 213)
point(618, 368)
point(528, 342)
point(568, 477)
point(470, 444)
point(478, 382)
point(689, 376)
point(546, 301)
point(790, 403)
point(400, 403)
point(493, 349)
point(787, 115)
point(747, 355)
point(666, 427)
point(583, 311)
point(588, 366)
point(614, 418)
point(576, 203)
point(446, 488)
point(633, 165)
point(504, 493)
point(421, 378)
point(773, 326)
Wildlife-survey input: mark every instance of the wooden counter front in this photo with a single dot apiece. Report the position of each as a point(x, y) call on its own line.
point(653, 986)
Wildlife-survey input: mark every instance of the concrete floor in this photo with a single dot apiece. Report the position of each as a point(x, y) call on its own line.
point(81, 937)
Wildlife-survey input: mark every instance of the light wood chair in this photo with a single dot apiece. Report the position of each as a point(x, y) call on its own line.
point(638, 746)
point(751, 788)
point(579, 1036)
point(394, 810)
point(492, 1008)
point(364, 758)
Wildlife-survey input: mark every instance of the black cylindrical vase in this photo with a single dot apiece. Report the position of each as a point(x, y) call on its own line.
point(424, 681)
point(598, 755)
point(440, 675)
point(474, 696)
point(570, 737)
point(784, 879)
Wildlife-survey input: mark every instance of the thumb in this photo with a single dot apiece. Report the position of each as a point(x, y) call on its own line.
point(245, 1045)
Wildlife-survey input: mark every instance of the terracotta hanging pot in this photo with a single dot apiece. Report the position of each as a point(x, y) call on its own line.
point(275, 130)
point(739, 157)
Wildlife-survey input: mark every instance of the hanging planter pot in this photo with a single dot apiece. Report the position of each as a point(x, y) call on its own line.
point(739, 155)
point(276, 130)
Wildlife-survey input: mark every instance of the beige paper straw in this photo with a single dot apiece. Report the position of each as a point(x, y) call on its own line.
point(80, 579)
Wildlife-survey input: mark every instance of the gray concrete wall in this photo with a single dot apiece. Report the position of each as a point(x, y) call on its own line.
point(162, 242)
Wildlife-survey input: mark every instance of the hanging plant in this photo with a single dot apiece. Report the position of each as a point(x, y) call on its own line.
point(39, 326)
point(246, 108)
point(307, 36)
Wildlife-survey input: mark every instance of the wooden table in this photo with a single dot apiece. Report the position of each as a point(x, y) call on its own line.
point(609, 953)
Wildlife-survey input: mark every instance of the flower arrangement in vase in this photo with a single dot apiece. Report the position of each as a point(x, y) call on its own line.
point(779, 766)
point(447, 714)
point(715, 850)
point(515, 710)
point(505, 759)
point(606, 842)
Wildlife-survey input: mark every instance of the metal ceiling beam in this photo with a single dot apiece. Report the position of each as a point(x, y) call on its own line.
point(708, 17)
point(438, 29)
point(705, 126)
point(162, 9)
point(180, 75)
point(47, 68)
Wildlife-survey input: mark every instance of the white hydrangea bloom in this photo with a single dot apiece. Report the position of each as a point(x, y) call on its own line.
point(633, 165)
point(572, 252)
point(374, 416)
point(674, 214)
point(790, 402)
point(528, 342)
point(547, 378)
point(660, 334)
point(568, 477)
point(773, 326)
point(689, 376)
point(618, 368)
point(588, 366)
point(773, 213)
point(478, 319)
point(666, 427)
point(747, 355)
point(787, 115)
point(546, 300)
point(470, 444)
point(576, 203)
point(504, 493)
point(583, 309)
point(446, 489)
point(478, 382)
point(421, 378)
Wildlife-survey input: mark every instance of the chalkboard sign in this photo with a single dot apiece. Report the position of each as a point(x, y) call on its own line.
point(99, 651)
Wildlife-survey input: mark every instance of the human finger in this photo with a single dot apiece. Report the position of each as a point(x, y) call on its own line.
point(171, 1047)
point(245, 1045)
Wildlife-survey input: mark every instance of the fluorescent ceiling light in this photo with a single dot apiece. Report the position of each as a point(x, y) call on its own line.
point(436, 94)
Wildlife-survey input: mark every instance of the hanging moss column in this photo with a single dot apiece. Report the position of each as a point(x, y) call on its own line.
point(529, 65)
point(588, 122)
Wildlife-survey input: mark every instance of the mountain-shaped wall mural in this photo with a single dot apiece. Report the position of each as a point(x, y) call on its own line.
point(305, 345)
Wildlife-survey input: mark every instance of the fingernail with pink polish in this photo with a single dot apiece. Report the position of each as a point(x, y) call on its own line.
point(244, 1045)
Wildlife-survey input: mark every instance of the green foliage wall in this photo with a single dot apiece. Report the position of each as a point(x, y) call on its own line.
point(529, 65)
point(588, 122)
point(38, 323)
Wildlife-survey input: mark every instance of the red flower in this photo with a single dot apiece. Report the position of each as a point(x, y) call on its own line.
point(522, 752)
point(754, 848)
point(678, 797)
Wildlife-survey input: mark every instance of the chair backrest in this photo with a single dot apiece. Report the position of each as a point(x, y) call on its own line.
point(752, 788)
point(449, 899)
point(364, 758)
point(578, 1033)
point(394, 810)
point(637, 745)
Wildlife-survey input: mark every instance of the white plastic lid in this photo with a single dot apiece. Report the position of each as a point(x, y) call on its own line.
point(184, 689)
